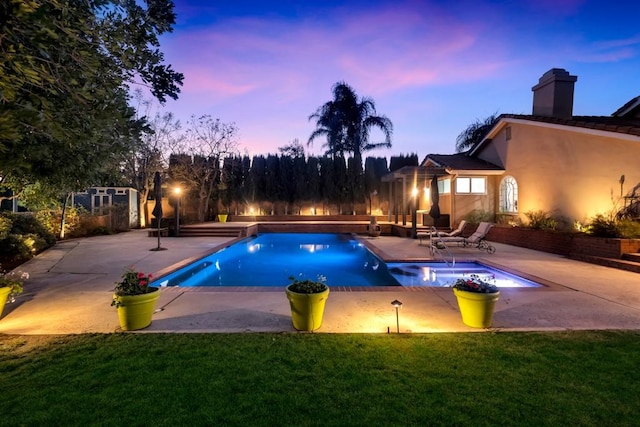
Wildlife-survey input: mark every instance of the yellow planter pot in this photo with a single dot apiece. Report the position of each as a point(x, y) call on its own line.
point(222, 217)
point(476, 308)
point(4, 294)
point(135, 311)
point(307, 310)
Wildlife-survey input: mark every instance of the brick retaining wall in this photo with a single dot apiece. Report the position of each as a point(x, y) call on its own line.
point(567, 244)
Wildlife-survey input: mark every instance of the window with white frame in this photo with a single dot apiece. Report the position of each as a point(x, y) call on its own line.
point(508, 195)
point(471, 185)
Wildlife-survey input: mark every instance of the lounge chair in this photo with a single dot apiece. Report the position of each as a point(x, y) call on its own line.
point(476, 240)
point(453, 233)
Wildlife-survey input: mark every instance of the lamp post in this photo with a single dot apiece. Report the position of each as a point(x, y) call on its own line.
point(397, 304)
point(176, 192)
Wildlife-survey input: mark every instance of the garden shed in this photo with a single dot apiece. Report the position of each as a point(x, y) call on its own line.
point(104, 200)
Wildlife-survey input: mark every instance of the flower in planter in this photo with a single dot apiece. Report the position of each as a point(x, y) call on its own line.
point(13, 280)
point(308, 286)
point(475, 283)
point(132, 283)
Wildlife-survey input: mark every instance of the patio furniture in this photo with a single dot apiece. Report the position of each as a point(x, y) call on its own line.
point(476, 240)
point(453, 233)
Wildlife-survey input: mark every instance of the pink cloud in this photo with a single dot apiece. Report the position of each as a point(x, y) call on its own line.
point(386, 50)
point(421, 61)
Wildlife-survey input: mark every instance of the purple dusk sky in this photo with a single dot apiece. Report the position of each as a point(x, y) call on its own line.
point(432, 67)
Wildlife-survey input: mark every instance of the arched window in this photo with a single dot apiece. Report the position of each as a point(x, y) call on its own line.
point(508, 195)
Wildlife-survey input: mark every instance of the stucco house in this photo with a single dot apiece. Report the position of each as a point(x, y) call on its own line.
point(572, 167)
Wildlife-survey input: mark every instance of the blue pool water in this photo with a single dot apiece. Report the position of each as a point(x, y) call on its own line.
point(439, 274)
point(268, 260)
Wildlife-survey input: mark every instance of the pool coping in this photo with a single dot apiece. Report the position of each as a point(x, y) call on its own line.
point(593, 297)
point(546, 284)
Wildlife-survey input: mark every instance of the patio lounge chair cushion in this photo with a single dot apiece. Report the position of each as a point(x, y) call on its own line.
point(453, 233)
point(477, 236)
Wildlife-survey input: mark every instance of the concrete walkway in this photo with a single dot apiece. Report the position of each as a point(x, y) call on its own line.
point(70, 287)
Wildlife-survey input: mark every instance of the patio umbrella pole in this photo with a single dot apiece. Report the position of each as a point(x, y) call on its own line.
point(157, 209)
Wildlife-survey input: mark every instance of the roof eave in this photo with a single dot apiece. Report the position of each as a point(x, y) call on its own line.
point(475, 171)
point(489, 136)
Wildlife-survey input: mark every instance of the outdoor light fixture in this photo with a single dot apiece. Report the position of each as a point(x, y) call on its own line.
point(397, 304)
point(414, 192)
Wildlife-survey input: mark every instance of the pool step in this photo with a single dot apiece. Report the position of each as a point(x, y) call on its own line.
point(211, 231)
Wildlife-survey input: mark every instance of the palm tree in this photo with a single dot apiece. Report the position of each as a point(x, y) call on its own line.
point(475, 133)
point(346, 122)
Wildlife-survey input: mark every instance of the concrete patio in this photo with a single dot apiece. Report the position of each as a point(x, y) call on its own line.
point(70, 287)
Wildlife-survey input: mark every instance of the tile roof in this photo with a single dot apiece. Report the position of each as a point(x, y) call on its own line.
point(630, 126)
point(462, 161)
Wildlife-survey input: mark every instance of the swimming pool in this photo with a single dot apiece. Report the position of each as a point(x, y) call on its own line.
point(439, 274)
point(268, 260)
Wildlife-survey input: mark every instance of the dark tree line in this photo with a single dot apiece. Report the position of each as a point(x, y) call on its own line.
point(292, 182)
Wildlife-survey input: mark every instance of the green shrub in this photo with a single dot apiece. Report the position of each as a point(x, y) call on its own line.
point(5, 226)
point(541, 220)
point(601, 226)
point(22, 236)
point(477, 216)
point(306, 286)
point(508, 219)
point(51, 218)
point(629, 229)
point(22, 247)
point(28, 224)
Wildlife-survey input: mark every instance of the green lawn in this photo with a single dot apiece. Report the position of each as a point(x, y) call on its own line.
point(536, 379)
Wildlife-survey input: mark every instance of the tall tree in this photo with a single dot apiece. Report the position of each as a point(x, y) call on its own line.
point(374, 169)
point(293, 149)
point(273, 188)
point(314, 185)
point(66, 69)
point(475, 132)
point(396, 162)
point(148, 153)
point(288, 178)
point(328, 187)
point(257, 181)
point(244, 185)
point(354, 183)
point(302, 181)
point(207, 142)
point(340, 184)
point(346, 122)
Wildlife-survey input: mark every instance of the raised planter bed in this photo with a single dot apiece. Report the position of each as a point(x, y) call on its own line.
point(563, 243)
point(598, 250)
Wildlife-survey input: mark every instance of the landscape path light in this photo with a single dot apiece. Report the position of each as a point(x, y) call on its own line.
point(397, 304)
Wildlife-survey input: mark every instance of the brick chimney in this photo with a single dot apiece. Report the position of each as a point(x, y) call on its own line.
point(553, 95)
